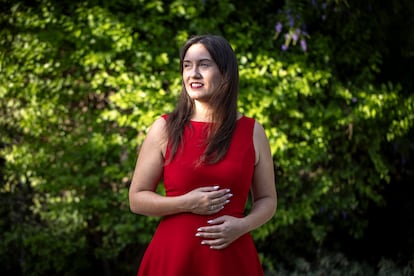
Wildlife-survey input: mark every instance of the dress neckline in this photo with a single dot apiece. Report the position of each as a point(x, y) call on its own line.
point(203, 122)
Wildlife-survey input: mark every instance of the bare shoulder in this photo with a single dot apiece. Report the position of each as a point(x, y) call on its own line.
point(260, 141)
point(158, 127)
point(157, 135)
point(258, 132)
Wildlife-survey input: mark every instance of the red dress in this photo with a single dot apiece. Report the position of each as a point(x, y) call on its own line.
point(174, 249)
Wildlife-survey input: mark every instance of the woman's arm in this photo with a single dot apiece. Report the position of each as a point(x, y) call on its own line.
point(263, 186)
point(148, 171)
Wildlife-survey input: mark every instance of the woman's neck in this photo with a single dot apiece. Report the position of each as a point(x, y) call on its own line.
point(202, 112)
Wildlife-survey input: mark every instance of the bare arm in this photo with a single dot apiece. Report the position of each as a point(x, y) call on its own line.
point(148, 171)
point(263, 186)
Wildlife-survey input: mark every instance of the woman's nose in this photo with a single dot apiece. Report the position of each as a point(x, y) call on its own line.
point(195, 72)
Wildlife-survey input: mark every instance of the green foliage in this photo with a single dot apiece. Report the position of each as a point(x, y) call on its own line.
point(81, 82)
point(338, 264)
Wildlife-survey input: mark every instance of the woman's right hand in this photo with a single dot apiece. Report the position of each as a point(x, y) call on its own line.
point(207, 200)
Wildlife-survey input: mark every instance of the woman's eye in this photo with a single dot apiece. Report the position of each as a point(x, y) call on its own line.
point(204, 64)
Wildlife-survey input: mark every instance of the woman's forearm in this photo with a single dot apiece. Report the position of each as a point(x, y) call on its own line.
point(149, 203)
point(262, 211)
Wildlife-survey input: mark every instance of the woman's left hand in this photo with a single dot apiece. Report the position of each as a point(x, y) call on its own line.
point(221, 232)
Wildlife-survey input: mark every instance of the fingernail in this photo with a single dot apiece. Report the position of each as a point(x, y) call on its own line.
point(229, 195)
point(216, 187)
point(228, 190)
point(198, 235)
point(210, 221)
point(227, 201)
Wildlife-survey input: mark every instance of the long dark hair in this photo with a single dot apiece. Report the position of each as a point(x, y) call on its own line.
point(223, 101)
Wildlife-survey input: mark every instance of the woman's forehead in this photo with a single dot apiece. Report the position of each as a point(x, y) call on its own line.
point(197, 52)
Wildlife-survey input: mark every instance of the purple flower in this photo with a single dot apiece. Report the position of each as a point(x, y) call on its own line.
point(354, 100)
point(291, 21)
point(284, 47)
point(278, 27)
point(303, 45)
point(295, 36)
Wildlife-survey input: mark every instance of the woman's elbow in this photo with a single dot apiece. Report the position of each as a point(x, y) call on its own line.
point(134, 205)
point(272, 206)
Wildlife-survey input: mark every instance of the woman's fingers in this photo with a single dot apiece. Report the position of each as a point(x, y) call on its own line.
point(209, 200)
point(218, 200)
point(220, 232)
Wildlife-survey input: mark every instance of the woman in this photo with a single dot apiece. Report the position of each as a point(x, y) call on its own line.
point(210, 156)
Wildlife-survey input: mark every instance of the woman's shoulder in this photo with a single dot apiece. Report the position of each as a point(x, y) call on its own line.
point(157, 135)
point(158, 126)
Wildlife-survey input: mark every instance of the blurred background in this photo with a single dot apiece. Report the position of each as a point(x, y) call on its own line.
point(330, 80)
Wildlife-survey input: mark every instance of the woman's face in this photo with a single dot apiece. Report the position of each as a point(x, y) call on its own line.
point(201, 75)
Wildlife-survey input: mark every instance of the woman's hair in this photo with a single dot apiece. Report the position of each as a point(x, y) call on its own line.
point(223, 101)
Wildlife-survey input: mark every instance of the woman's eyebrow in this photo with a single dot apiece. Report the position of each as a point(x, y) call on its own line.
point(198, 60)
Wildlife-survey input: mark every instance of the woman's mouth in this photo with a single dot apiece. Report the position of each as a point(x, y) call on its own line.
point(196, 85)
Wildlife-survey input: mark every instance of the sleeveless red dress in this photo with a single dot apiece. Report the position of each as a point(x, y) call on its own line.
point(174, 249)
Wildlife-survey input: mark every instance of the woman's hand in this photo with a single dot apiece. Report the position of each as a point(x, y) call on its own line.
point(207, 200)
point(221, 232)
